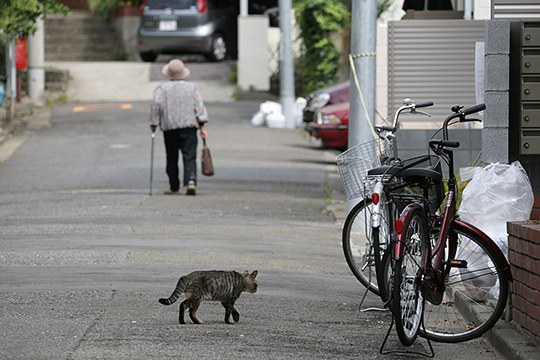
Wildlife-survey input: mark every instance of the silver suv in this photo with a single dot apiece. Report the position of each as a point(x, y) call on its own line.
point(207, 27)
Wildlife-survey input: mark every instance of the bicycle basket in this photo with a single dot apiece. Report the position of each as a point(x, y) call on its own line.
point(354, 164)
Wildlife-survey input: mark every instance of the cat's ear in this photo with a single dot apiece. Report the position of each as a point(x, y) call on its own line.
point(253, 275)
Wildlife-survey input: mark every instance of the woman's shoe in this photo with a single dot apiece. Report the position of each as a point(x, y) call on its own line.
point(191, 188)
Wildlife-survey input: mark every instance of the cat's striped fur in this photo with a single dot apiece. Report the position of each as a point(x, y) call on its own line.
point(223, 286)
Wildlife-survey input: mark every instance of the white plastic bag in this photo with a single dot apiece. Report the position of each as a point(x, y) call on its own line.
point(497, 194)
point(270, 114)
point(299, 105)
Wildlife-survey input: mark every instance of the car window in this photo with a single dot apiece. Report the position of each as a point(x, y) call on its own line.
point(173, 4)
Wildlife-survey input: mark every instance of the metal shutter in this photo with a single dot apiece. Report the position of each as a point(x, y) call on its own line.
point(432, 60)
point(519, 9)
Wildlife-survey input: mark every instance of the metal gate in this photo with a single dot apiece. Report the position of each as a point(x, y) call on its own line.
point(432, 60)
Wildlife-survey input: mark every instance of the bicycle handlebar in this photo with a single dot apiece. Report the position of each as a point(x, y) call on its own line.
point(424, 104)
point(474, 109)
point(408, 105)
point(434, 144)
point(438, 146)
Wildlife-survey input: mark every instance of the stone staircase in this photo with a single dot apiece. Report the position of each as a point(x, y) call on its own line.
point(79, 36)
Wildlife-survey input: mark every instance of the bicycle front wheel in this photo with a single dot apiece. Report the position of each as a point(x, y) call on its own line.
point(475, 293)
point(407, 299)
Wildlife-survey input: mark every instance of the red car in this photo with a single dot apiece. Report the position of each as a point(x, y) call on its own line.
point(331, 125)
point(329, 95)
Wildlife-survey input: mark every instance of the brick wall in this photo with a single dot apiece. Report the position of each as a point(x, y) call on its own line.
point(524, 257)
point(535, 213)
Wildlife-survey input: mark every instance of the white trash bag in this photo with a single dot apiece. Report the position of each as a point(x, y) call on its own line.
point(270, 114)
point(497, 194)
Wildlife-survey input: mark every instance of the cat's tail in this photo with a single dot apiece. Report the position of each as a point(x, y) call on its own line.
point(175, 295)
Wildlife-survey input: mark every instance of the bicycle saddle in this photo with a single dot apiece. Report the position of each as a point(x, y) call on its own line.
point(384, 170)
point(418, 174)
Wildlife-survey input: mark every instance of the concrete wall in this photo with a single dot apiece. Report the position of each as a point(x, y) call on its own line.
point(497, 91)
point(415, 142)
point(126, 28)
point(253, 53)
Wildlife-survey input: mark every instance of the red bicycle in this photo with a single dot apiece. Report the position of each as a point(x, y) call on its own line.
point(450, 280)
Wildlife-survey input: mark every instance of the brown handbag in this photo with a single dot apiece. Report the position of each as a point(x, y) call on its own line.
point(206, 161)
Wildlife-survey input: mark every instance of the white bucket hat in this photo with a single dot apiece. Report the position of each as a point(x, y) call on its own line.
point(175, 70)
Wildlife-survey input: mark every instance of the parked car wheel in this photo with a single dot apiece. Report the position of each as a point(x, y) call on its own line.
point(148, 56)
point(218, 51)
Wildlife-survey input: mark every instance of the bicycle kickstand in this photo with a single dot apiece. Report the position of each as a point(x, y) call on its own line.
point(431, 354)
point(364, 298)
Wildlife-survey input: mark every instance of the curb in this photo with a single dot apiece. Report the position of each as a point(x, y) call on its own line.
point(511, 342)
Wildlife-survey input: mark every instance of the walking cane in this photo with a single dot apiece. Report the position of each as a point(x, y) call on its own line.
point(152, 160)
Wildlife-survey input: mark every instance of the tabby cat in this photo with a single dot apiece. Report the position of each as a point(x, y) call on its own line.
point(223, 286)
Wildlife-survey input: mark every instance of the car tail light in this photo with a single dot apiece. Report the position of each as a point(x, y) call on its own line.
point(201, 6)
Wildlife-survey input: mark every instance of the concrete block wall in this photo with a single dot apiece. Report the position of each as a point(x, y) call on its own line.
point(524, 257)
point(415, 142)
point(497, 91)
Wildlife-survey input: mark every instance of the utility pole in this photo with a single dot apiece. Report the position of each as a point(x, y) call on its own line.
point(36, 62)
point(286, 68)
point(363, 46)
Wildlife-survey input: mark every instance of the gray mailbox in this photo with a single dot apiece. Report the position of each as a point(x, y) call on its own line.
point(529, 109)
point(524, 122)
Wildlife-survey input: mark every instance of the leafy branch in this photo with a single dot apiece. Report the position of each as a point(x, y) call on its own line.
point(317, 20)
point(19, 17)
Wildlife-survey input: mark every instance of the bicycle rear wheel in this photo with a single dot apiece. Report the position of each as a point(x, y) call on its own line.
point(407, 300)
point(382, 237)
point(357, 245)
point(359, 240)
point(475, 295)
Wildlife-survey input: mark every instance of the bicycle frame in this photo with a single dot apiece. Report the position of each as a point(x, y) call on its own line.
point(362, 168)
point(436, 268)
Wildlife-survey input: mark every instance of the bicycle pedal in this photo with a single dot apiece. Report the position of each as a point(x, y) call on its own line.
point(457, 263)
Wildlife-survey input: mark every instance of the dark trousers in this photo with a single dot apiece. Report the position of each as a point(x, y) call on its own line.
point(185, 141)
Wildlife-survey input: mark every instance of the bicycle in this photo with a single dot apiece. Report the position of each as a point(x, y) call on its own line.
point(368, 222)
point(450, 280)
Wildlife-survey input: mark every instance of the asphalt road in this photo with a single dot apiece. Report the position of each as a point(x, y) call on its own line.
point(85, 252)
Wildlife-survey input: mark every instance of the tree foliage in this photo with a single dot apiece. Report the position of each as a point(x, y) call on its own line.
point(104, 8)
point(317, 21)
point(20, 16)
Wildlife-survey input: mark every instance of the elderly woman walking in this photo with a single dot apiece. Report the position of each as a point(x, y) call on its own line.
point(178, 109)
